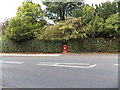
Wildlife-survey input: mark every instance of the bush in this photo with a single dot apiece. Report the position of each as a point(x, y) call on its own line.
point(0, 45)
point(93, 45)
point(74, 45)
point(32, 46)
point(100, 45)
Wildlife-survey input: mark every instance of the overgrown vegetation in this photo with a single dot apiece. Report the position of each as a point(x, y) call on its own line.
point(71, 29)
point(82, 27)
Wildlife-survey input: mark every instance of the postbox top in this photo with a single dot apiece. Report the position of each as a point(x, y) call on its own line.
point(64, 46)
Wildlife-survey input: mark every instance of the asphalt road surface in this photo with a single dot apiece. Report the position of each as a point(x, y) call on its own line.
point(64, 71)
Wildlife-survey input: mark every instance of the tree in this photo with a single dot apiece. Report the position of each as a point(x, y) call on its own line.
point(57, 32)
point(28, 19)
point(105, 29)
point(104, 10)
point(70, 29)
point(96, 27)
point(99, 21)
point(77, 24)
point(112, 26)
point(86, 12)
point(58, 11)
point(77, 12)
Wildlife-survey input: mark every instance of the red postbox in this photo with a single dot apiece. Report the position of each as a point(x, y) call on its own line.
point(64, 48)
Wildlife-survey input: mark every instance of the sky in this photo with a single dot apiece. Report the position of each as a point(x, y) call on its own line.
point(8, 8)
point(95, 1)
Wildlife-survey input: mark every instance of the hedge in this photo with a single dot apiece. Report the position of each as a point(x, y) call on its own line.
point(77, 46)
point(74, 45)
point(93, 45)
point(32, 46)
point(0, 41)
point(100, 45)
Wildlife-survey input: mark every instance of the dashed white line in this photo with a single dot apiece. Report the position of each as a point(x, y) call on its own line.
point(11, 62)
point(116, 64)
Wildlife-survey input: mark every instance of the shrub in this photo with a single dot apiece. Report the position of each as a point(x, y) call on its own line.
point(32, 46)
point(93, 45)
point(73, 46)
point(100, 45)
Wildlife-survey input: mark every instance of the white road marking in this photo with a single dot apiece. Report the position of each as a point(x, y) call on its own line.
point(30, 55)
point(65, 63)
point(116, 64)
point(71, 65)
point(11, 62)
point(93, 65)
point(76, 63)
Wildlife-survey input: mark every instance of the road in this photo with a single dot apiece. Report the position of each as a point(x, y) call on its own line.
point(64, 71)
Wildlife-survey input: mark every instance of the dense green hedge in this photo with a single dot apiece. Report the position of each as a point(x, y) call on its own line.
point(0, 45)
point(93, 45)
point(100, 45)
point(79, 45)
point(74, 45)
point(32, 46)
